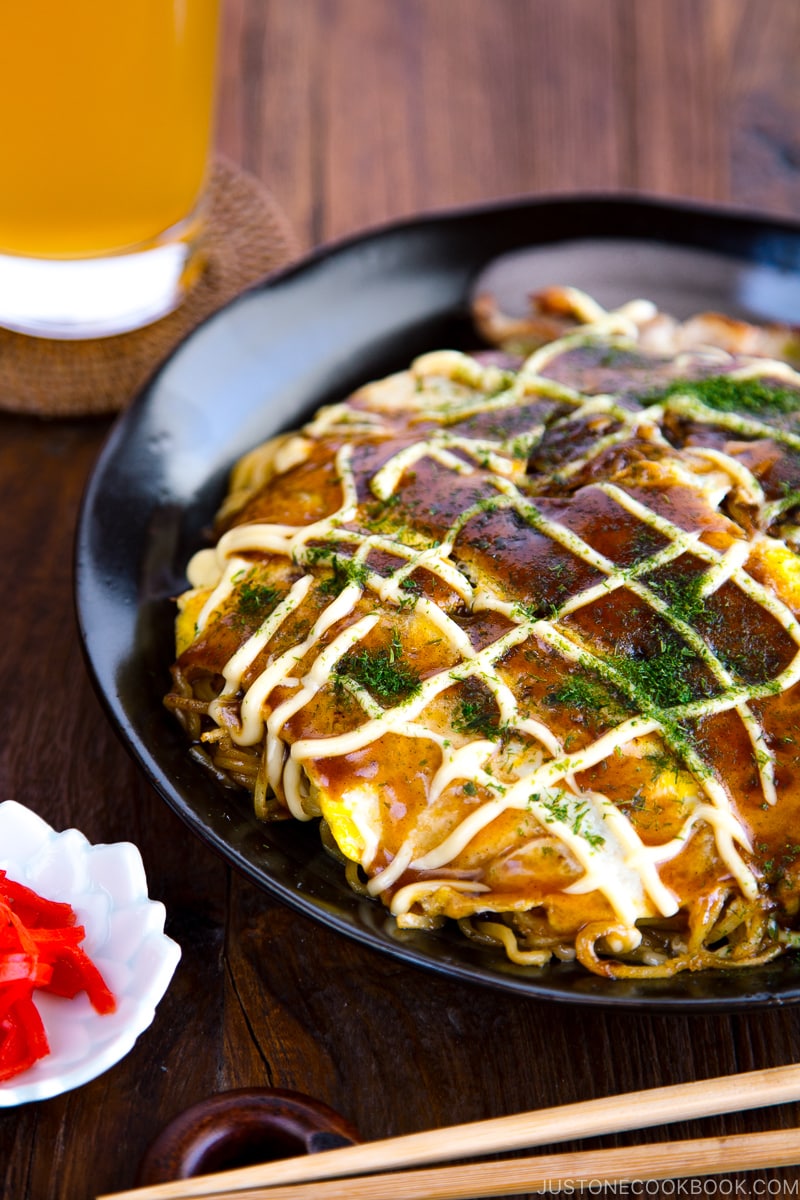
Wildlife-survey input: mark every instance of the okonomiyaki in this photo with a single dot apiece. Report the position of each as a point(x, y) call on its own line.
point(519, 629)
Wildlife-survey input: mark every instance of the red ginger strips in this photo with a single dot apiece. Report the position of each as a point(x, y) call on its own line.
point(40, 947)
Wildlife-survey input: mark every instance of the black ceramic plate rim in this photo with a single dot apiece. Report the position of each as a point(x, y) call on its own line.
point(96, 581)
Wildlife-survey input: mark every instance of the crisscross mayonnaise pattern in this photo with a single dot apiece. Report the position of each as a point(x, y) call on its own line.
point(450, 388)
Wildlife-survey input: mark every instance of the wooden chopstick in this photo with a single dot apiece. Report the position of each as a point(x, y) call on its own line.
point(660, 1160)
point(588, 1118)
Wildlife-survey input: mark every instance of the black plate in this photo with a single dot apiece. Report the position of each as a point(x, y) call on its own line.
point(307, 337)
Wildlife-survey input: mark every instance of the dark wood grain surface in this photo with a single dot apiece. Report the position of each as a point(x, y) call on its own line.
point(354, 112)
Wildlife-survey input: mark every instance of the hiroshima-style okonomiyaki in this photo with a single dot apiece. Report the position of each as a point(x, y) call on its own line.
point(520, 629)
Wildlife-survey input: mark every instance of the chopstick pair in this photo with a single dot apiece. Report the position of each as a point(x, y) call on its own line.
point(662, 1160)
point(370, 1171)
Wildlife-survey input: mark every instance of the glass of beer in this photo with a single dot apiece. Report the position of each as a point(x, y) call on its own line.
point(105, 147)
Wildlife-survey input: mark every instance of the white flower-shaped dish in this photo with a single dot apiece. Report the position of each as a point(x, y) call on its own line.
point(106, 886)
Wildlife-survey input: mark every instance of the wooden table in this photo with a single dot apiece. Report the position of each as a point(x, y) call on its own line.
point(355, 111)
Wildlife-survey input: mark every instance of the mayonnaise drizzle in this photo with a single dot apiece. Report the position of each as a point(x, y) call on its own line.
point(596, 833)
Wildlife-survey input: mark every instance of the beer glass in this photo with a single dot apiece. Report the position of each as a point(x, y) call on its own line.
point(108, 110)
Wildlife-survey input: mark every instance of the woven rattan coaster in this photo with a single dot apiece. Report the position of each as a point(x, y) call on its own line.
point(246, 237)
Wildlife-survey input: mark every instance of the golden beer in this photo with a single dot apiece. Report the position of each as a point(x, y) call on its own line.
point(108, 115)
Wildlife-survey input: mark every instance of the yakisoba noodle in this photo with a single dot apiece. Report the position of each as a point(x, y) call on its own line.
point(523, 634)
